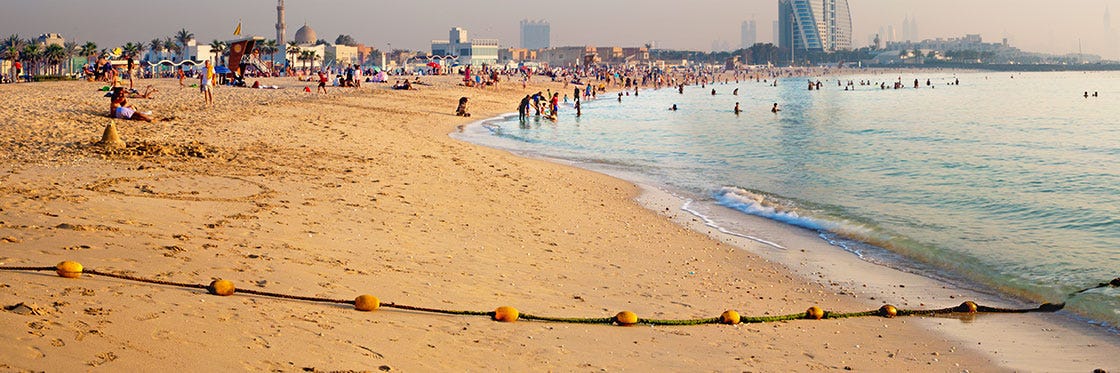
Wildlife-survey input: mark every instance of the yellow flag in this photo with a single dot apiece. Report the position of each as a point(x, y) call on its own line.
point(237, 32)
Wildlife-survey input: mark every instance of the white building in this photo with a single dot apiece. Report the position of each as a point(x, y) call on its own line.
point(196, 52)
point(338, 54)
point(476, 52)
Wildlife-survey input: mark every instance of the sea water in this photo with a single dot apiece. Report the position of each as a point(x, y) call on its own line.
point(1008, 181)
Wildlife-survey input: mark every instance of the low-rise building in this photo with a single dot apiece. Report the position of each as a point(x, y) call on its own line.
point(468, 52)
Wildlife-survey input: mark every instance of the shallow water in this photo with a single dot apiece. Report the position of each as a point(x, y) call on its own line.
point(1010, 181)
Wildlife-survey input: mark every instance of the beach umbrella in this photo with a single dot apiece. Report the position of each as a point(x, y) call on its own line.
point(222, 70)
point(375, 68)
point(433, 65)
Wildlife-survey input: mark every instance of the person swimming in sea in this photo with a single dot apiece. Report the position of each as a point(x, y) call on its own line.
point(775, 109)
point(673, 108)
point(737, 109)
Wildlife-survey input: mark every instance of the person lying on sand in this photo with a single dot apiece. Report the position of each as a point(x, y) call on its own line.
point(149, 93)
point(120, 108)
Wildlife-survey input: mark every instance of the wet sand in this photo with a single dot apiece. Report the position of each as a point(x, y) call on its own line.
point(362, 191)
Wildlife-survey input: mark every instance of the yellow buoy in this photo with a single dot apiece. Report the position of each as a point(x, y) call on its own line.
point(506, 314)
point(366, 302)
point(729, 317)
point(888, 311)
point(69, 269)
point(815, 313)
point(626, 318)
point(221, 287)
point(967, 306)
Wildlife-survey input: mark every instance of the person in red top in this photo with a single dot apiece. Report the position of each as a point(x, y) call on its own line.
point(322, 82)
point(19, 70)
point(555, 104)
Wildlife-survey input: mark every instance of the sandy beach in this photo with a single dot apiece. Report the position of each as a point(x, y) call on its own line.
point(362, 191)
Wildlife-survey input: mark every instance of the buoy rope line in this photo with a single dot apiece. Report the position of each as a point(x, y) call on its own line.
point(365, 302)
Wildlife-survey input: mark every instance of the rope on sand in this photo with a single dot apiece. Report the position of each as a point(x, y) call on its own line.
point(365, 302)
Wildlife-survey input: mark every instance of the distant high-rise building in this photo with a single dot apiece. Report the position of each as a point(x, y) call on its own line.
point(906, 29)
point(749, 34)
point(890, 34)
point(535, 34)
point(910, 30)
point(819, 25)
point(914, 30)
point(776, 36)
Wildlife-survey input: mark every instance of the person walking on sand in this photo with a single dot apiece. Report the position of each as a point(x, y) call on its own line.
point(206, 83)
point(323, 82)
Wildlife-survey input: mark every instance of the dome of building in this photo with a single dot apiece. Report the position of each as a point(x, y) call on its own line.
point(305, 35)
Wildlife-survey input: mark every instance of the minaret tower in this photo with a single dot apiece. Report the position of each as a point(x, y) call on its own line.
point(281, 28)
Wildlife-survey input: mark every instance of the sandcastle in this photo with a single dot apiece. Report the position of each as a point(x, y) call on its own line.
point(110, 139)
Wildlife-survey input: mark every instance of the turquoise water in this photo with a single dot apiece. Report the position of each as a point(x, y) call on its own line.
point(1010, 181)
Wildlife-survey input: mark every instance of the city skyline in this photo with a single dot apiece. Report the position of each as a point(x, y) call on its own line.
point(1033, 26)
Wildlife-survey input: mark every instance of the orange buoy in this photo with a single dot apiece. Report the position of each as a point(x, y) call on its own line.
point(729, 317)
point(506, 314)
point(815, 313)
point(69, 269)
point(967, 306)
point(366, 302)
point(888, 311)
point(221, 287)
point(626, 318)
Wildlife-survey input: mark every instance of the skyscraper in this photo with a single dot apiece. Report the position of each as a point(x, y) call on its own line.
point(818, 25)
point(776, 36)
point(748, 33)
point(535, 34)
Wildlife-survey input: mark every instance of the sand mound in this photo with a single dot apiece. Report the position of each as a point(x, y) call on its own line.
point(110, 139)
point(193, 149)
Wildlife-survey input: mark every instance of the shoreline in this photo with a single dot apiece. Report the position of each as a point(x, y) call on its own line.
point(833, 268)
point(365, 192)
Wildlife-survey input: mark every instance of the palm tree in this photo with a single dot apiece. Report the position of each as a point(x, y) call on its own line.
point(129, 49)
point(293, 50)
point(54, 54)
point(11, 48)
point(217, 47)
point(269, 48)
point(88, 49)
point(308, 56)
point(32, 52)
point(171, 46)
point(183, 37)
point(140, 48)
point(156, 46)
point(70, 48)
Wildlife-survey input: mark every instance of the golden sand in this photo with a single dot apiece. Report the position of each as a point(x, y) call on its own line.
point(362, 192)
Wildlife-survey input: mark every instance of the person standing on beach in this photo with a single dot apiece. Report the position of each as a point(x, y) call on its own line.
point(523, 108)
point(131, 66)
point(323, 82)
point(19, 71)
point(181, 76)
point(554, 104)
point(206, 83)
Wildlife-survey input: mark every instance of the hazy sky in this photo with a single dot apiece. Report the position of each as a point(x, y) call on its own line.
point(1033, 25)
